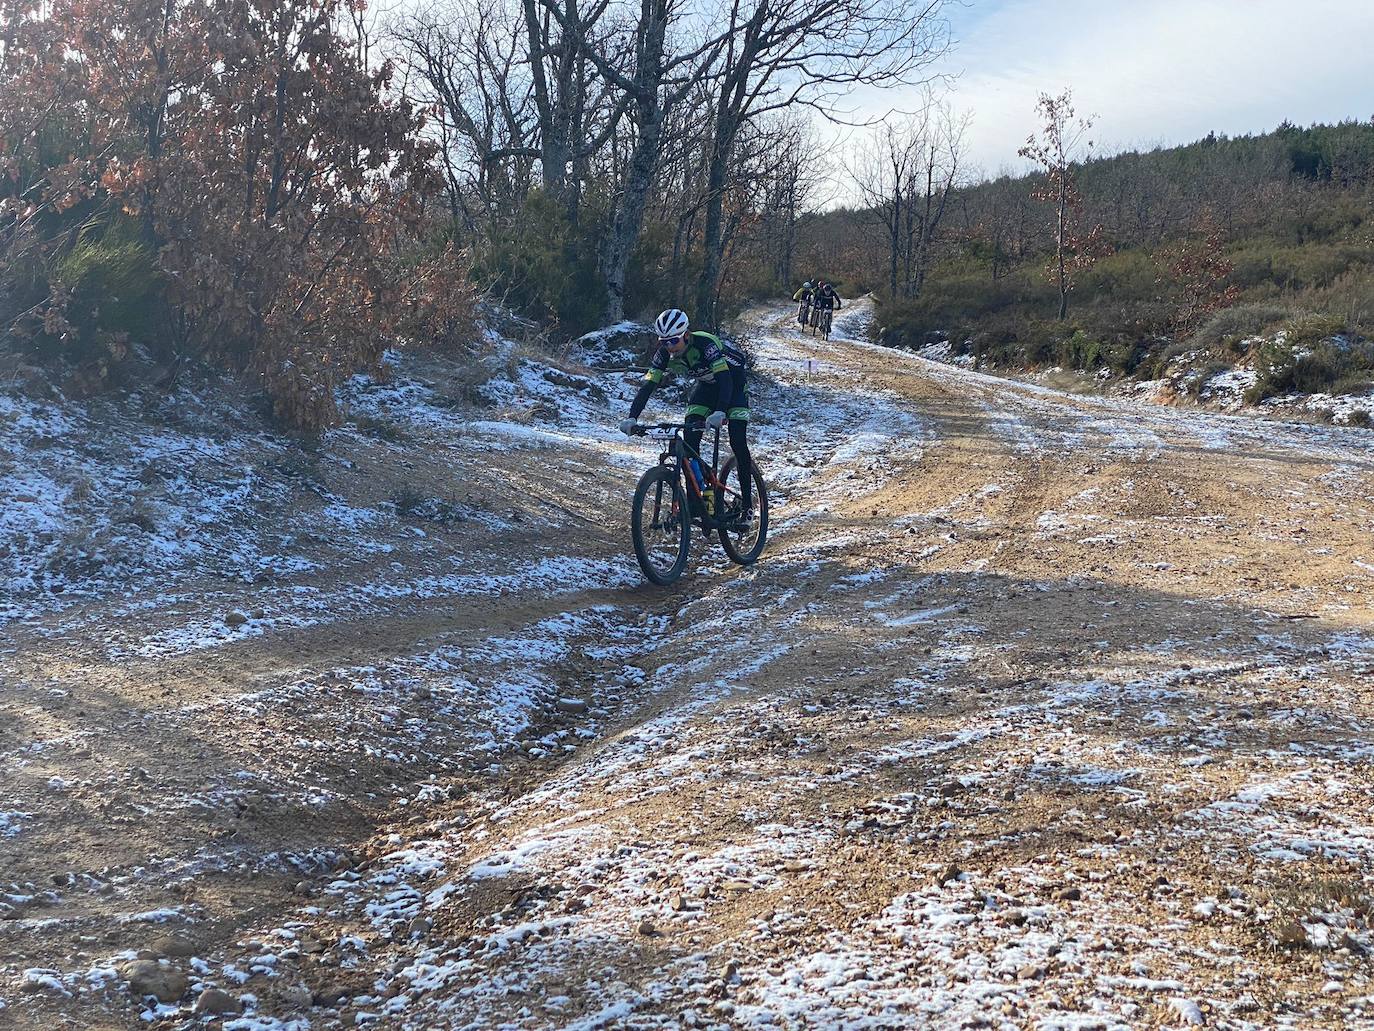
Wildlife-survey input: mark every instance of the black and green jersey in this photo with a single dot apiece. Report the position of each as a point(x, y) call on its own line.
point(826, 299)
point(709, 360)
point(706, 356)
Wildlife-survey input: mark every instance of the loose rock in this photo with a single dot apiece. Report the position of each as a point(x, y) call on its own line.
point(178, 948)
point(310, 946)
point(160, 980)
point(215, 1001)
point(297, 996)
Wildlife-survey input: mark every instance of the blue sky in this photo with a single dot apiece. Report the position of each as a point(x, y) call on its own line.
point(1159, 71)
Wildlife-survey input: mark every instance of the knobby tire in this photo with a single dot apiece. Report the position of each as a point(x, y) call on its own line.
point(658, 496)
point(748, 555)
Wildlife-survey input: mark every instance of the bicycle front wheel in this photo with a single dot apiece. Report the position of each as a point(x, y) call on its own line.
point(744, 546)
point(660, 526)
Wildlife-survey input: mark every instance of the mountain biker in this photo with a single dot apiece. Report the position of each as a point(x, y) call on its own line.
point(721, 394)
point(804, 296)
point(825, 297)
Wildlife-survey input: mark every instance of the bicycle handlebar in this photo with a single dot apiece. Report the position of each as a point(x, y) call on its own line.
point(645, 429)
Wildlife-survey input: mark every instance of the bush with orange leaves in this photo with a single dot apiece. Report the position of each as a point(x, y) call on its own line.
point(239, 152)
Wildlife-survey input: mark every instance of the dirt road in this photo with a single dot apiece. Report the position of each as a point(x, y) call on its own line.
point(1041, 712)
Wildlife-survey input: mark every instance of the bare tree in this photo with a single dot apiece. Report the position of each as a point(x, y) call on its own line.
point(1062, 144)
point(651, 83)
point(569, 86)
point(905, 178)
point(465, 62)
point(789, 186)
point(780, 53)
point(883, 177)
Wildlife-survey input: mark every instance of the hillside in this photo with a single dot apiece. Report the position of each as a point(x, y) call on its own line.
point(1251, 255)
point(1040, 710)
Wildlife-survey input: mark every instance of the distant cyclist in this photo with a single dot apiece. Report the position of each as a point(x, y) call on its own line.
point(825, 298)
point(721, 393)
point(804, 296)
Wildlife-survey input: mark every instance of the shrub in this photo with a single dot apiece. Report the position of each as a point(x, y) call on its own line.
point(111, 284)
point(546, 268)
point(964, 302)
point(1309, 330)
point(1323, 367)
point(1350, 296)
point(1166, 356)
point(1127, 275)
point(87, 300)
point(1356, 382)
point(1086, 351)
point(1291, 267)
point(277, 190)
point(1229, 326)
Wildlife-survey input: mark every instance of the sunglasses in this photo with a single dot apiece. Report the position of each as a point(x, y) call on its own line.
point(672, 341)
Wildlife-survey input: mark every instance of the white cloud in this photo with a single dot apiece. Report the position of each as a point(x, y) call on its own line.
point(1160, 71)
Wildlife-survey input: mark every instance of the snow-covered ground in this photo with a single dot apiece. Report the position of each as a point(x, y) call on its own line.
point(1197, 375)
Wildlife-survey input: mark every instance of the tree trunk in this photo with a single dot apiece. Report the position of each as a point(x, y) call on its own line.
point(1059, 249)
point(789, 239)
point(894, 240)
point(712, 236)
point(629, 213)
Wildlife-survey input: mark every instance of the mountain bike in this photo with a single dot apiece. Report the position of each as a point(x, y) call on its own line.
point(826, 315)
point(804, 313)
point(815, 320)
point(682, 490)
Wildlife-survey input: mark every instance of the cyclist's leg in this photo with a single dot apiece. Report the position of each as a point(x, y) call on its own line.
point(739, 441)
point(744, 462)
point(700, 404)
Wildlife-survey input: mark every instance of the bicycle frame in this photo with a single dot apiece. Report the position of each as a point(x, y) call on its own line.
point(677, 454)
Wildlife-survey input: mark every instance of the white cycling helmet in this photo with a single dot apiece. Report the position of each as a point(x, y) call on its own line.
point(671, 323)
point(807, 285)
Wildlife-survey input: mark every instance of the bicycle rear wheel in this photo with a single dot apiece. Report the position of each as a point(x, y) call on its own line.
point(659, 526)
point(744, 548)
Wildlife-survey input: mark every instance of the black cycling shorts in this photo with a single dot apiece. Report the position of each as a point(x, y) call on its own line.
point(704, 396)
